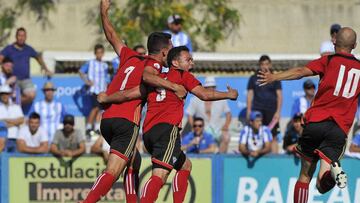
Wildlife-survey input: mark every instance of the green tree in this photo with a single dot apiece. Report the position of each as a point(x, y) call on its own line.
point(8, 14)
point(207, 21)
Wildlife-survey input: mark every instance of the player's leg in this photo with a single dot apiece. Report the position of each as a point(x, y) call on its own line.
point(92, 115)
point(324, 182)
point(301, 189)
point(131, 178)
point(123, 135)
point(180, 181)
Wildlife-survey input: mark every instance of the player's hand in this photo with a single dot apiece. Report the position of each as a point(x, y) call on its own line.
point(105, 5)
point(102, 98)
point(180, 91)
point(265, 77)
point(232, 93)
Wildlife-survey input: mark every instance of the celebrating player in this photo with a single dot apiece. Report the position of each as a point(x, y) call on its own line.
point(328, 120)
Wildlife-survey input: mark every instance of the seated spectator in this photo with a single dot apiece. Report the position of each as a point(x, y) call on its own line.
point(68, 142)
point(293, 133)
point(101, 147)
point(32, 139)
point(355, 144)
point(3, 135)
point(198, 141)
point(52, 112)
point(255, 138)
point(301, 104)
point(7, 77)
point(12, 115)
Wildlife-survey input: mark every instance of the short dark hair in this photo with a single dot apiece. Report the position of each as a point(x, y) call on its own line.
point(198, 119)
point(264, 58)
point(7, 60)
point(20, 29)
point(174, 54)
point(98, 46)
point(34, 115)
point(157, 41)
point(139, 46)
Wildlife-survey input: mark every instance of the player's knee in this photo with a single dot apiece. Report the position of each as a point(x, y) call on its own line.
point(161, 173)
point(187, 165)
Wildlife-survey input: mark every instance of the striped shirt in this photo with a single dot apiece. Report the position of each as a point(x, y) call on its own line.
point(51, 115)
point(97, 72)
point(254, 141)
point(180, 39)
point(115, 64)
point(300, 105)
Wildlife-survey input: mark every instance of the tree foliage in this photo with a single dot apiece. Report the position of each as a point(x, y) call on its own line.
point(207, 21)
point(8, 14)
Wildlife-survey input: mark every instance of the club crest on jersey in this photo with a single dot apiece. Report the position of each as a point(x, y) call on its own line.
point(156, 65)
point(174, 159)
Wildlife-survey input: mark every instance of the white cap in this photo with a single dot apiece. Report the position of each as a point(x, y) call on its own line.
point(210, 82)
point(173, 18)
point(5, 89)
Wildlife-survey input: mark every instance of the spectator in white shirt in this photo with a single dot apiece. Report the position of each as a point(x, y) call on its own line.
point(12, 115)
point(212, 113)
point(327, 47)
point(32, 139)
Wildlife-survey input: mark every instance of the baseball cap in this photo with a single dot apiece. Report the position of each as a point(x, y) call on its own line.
point(335, 28)
point(69, 119)
point(297, 116)
point(210, 82)
point(254, 115)
point(308, 84)
point(175, 18)
point(5, 89)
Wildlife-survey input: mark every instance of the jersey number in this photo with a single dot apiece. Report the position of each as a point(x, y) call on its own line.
point(350, 85)
point(161, 94)
point(127, 71)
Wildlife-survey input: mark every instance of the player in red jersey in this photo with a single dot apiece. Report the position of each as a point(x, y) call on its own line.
point(162, 125)
point(120, 121)
point(328, 120)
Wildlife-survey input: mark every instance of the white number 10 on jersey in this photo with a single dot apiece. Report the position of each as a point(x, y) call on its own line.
point(350, 86)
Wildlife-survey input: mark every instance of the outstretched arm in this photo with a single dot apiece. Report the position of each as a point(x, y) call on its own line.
point(109, 30)
point(291, 74)
point(212, 95)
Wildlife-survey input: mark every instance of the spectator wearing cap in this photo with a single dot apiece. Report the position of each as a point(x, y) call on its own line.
point(212, 112)
point(178, 37)
point(293, 133)
point(51, 112)
point(68, 142)
point(266, 99)
point(20, 53)
point(198, 141)
point(301, 104)
point(8, 78)
point(12, 115)
point(327, 47)
point(255, 138)
point(32, 139)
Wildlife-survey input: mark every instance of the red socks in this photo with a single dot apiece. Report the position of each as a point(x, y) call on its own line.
point(179, 185)
point(102, 185)
point(151, 190)
point(301, 192)
point(130, 185)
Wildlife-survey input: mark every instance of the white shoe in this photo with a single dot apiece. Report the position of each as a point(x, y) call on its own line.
point(338, 174)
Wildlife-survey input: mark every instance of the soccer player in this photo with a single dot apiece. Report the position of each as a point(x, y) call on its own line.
point(328, 120)
point(162, 124)
point(120, 121)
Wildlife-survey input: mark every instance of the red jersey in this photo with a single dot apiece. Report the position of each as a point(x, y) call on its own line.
point(163, 106)
point(128, 76)
point(338, 92)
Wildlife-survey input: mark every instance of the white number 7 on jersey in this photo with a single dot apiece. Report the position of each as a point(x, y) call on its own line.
point(350, 86)
point(127, 71)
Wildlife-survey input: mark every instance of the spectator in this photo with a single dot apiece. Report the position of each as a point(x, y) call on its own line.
point(198, 141)
point(68, 142)
point(8, 78)
point(101, 147)
point(32, 139)
point(20, 53)
point(140, 49)
point(94, 74)
point(355, 144)
point(12, 115)
point(301, 104)
point(265, 99)
point(116, 61)
point(178, 37)
point(255, 139)
point(51, 112)
point(3, 135)
point(293, 134)
point(212, 112)
point(327, 47)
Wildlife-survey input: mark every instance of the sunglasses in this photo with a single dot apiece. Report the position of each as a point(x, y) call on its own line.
point(197, 126)
point(48, 89)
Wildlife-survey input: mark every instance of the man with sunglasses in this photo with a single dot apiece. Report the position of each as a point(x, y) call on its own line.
point(178, 37)
point(198, 141)
point(51, 112)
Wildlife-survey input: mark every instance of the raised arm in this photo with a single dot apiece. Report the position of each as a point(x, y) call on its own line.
point(109, 30)
point(290, 74)
point(212, 95)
